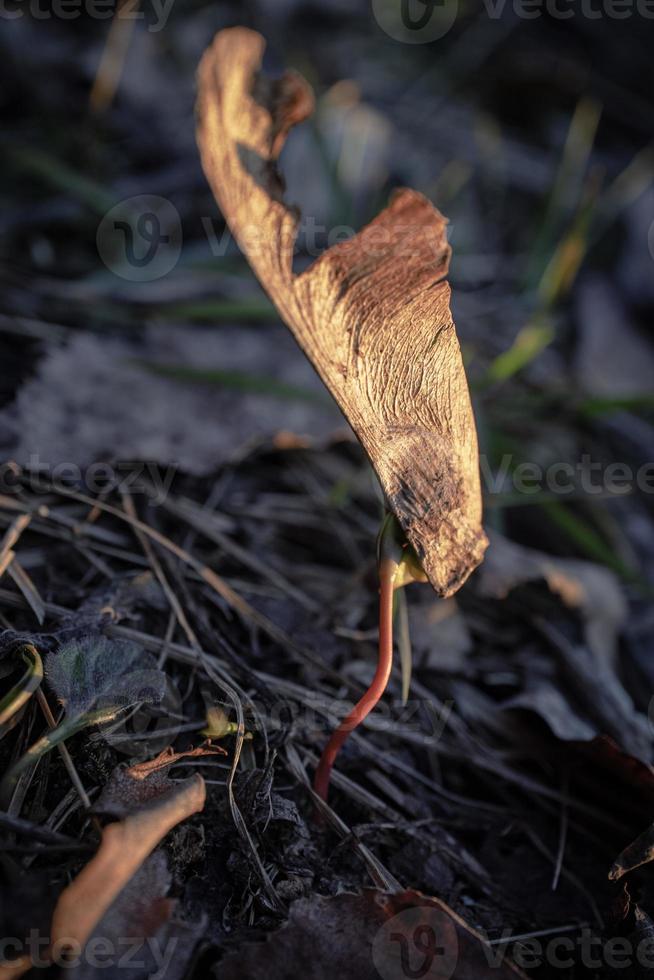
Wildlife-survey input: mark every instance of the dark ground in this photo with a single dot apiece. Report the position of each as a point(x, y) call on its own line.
point(522, 767)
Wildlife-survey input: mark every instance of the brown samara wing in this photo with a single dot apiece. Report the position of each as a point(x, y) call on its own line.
point(372, 313)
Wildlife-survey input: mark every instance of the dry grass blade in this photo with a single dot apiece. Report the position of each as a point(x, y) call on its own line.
point(10, 537)
point(235, 601)
point(5, 561)
point(381, 876)
point(231, 692)
point(29, 590)
point(113, 57)
point(13, 533)
point(372, 313)
point(237, 816)
point(20, 694)
point(159, 573)
point(205, 524)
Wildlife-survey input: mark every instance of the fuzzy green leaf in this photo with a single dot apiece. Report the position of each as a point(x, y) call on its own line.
point(96, 672)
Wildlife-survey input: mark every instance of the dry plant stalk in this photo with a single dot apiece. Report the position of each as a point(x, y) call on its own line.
point(372, 314)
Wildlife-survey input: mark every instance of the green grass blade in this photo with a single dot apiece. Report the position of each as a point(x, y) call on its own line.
point(531, 340)
point(235, 380)
point(20, 694)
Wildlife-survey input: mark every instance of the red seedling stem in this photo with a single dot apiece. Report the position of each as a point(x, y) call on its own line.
point(387, 574)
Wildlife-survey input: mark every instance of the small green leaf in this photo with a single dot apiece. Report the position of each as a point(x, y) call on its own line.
point(96, 672)
point(240, 381)
point(14, 700)
point(95, 679)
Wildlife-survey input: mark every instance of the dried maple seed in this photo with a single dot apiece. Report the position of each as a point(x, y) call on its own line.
point(372, 314)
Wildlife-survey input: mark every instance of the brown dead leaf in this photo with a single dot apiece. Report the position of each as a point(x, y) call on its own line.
point(143, 918)
point(121, 892)
point(128, 790)
point(15, 969)
point(591, 589)
point(372, 313)
point(124, 847)
point(547, 701)
point(367, 937)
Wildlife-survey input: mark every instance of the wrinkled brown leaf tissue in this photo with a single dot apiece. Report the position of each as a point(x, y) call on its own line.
point(372, 313)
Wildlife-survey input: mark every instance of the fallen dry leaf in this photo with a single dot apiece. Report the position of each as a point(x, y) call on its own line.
point(367, 937)
point(372, 313)
point(142, 920)
point(594, 699)
point(591, 589)
point(121, 892)
point(130, 789)
point(547, 701)
point(124, 847)
point(15, 969)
